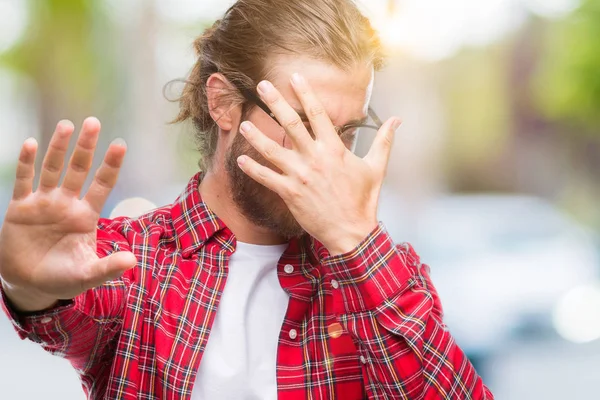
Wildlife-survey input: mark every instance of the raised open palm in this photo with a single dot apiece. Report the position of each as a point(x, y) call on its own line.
point(48, 238)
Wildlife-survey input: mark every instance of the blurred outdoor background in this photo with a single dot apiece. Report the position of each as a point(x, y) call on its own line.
point(495, 176)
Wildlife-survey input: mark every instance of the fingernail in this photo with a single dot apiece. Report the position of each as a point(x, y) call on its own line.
point(119, 142)
point(241, 160)
point(265, 87)
point(92, 121)
point(245, 127)
point(297, 79)
point(64, 125)
point(396, 124)
point(31, 141)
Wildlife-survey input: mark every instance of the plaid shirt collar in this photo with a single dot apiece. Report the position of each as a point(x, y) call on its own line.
point(195, 224)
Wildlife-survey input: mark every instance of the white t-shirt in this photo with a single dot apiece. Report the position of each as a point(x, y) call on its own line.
point(240, 358)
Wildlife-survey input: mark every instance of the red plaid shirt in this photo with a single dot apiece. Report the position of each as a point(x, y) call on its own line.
point(143, 336)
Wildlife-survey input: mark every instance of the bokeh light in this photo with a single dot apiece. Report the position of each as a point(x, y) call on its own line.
point(577, 314)
point(132, 208)
point(13, 22)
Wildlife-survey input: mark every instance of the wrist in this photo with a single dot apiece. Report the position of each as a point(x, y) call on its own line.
point(26, 301)
point(349, 239)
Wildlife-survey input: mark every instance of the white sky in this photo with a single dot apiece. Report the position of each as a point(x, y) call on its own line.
point(427, 29)
point(435, 29)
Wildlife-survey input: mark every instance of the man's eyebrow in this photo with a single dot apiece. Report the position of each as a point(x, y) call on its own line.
point(358, 121)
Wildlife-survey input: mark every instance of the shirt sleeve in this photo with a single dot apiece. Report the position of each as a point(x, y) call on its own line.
point(81, 329)
point(384, 298)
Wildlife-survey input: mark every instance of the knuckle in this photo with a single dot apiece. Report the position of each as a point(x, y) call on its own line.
point(103, 182)
point(23, 174)
point(112, 164)
point(85, 145)
point(294, 123)
point(316, 165)
point(261, 175)
point(292, 193)
point(45, 187)
point(273, 99)
point(271, 151)
point(316, 110)
point(52, 168)
point(57, 147)
point(340, 150)
point(304, 179)
point(79, 167)
point(87, 279)
point(388, 140)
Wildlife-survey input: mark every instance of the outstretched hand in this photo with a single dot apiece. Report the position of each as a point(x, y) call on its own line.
point(48, 238)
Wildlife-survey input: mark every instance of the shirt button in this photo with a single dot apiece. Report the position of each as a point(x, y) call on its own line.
point(288, 269)
point(293, 334)
point(335, 284)
point(363, 360)
point(335, 330)
point(46, 320)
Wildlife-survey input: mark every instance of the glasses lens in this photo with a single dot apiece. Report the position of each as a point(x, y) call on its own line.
point(363, 139)
point(355, 132)
point(360, 138)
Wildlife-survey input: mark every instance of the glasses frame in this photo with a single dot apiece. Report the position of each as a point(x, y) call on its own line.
point(252, 97)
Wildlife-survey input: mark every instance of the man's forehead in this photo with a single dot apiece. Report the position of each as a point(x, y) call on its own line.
point(340, 111)
point(344, 94)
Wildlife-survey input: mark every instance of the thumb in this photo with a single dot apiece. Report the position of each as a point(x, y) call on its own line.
point(109, 268)
point(380, 151)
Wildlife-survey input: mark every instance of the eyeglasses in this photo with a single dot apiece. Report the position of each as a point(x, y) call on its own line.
point(347, 133)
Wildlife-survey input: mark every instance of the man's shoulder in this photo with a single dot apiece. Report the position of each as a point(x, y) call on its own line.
point(157, 216)
point(124, 231)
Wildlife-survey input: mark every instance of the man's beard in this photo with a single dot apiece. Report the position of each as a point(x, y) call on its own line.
point(258, 204)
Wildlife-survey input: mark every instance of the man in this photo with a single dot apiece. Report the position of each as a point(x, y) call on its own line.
point(270, 276)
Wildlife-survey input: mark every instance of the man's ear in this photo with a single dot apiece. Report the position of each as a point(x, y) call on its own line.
point(220, 104)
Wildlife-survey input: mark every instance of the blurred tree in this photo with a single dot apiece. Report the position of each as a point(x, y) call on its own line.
point(568, 85)
point(476, 91)
point(567, 92)
point(99, 57)
point(62, 53)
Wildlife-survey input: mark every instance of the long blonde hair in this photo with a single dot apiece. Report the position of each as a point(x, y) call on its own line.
point(253, 31)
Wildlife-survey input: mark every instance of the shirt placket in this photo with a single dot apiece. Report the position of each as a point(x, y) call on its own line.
point(299, 279)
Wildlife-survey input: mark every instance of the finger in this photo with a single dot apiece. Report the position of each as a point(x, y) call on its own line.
point(54, 160)
point(317, 116)
point(83, 156)
point(270, 150)
point(287, 117)
point(263, 175)
point(107, 269)
point(106, 176)
point(380, 151)
point(25, 170)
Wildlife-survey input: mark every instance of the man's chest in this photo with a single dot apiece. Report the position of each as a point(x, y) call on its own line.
point(170, 320)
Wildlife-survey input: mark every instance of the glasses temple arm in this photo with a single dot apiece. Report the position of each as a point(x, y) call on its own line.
point(375, 118)
point(253, 98)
